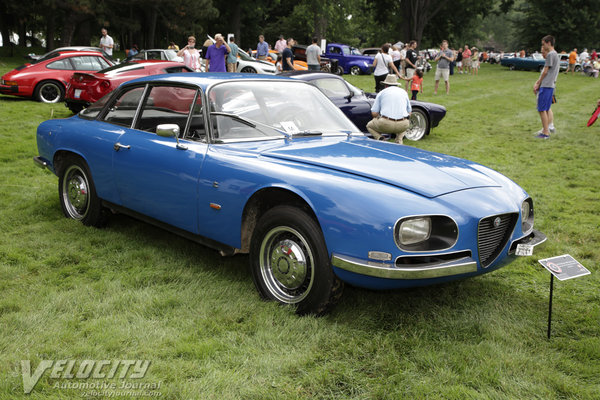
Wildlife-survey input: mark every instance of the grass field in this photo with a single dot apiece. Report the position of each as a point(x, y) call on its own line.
point(134, 292)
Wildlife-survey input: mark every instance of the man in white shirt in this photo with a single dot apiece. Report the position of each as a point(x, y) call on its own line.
point(391, 111)
point(106, 43)
point(313, 56)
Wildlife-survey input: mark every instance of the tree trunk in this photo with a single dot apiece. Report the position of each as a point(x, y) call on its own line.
point(236, 22)
point(22, 33)
point(50, 31)
point(4, 31)
point(152, 26)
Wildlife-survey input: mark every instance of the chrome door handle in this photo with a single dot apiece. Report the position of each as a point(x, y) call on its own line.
point(118, 146)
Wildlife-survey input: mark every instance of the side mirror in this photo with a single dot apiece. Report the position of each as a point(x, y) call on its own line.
point(167, 130)
point(350, 95)
point(170, 130)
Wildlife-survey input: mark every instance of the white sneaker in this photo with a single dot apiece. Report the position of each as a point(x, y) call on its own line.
point(551, 128)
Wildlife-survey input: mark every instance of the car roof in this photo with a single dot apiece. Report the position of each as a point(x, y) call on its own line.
point(204, 80)
point(310, 75)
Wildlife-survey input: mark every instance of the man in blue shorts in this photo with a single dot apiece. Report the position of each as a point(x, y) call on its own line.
point(544, 87)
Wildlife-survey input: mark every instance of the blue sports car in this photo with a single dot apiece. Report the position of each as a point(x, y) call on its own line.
point(534, 62)
point(233, 161)
point(357, 104)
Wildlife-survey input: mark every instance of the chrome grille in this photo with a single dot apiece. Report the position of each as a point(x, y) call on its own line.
point(492, 235)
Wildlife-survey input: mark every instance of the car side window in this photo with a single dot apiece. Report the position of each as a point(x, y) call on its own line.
point(335, 50)
point(102, 62)
point(166, 105)
point(86, 63)
point(60, 64)
point(153, 55)
point(331, 87)
point(123, 108)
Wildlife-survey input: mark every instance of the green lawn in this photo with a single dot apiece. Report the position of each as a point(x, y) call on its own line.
point(132, 291)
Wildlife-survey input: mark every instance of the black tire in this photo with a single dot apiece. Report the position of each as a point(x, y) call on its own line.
point(577, 68)
point(77, 193)
point(290, 263)
point(248, 70)
point(75, 107)
point(325, 68)
point(355, 70)
point(49, 92)
point(540, 68)
point(419, 125)
point(340, 71)
point(511, 67)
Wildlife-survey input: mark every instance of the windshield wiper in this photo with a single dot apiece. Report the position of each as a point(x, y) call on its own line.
point(251, 123)
point(308, 133)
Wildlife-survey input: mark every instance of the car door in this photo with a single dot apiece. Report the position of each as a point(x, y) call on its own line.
point(158, 176)
point(354, 105)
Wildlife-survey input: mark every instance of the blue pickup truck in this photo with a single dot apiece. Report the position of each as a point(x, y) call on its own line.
point(350, 61)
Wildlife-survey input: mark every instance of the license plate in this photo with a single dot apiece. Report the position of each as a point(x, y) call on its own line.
point(77, 93)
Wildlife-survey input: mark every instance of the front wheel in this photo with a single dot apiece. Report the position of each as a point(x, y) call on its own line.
point(248, 70)
point(419, 125)
point(577, 68)
point(511, 67)
point(290, 264)
point(77, 193)
point(355, 70)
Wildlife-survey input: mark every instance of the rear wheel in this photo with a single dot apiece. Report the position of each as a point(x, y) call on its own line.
point(289, 261)
point(578, 68)
point(248, 70)
point(511, 67)
point(77, 193)
point(419, 125)
point(49, 92)
point(340, 70)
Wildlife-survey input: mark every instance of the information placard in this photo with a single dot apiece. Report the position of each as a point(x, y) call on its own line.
point(564, 267)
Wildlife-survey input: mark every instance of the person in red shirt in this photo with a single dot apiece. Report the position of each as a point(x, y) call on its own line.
point(416, 85)
point(594, 55)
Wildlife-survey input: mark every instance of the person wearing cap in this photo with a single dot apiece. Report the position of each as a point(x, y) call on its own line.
point(391, 111)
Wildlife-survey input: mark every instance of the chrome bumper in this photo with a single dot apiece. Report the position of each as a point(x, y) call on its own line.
point(464, 265)
point(40, 162)
point(535, 238)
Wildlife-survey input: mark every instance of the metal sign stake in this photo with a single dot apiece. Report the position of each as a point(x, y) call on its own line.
point(550, 305)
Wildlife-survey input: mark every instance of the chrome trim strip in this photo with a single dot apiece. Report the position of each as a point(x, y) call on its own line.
point(381, 270)
point(39, 162)
point(535, 238)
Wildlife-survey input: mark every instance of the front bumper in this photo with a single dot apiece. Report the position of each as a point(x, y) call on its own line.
point(443, 268)
point(40, 162)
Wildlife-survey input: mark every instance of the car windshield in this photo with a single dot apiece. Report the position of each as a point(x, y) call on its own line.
point(244, 56)
point(266, 109)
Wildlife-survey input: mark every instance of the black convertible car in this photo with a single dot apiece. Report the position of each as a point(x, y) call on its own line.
point(356, 104)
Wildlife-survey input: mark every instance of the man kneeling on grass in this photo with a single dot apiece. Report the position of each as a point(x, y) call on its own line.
point(391, 111)
point(544, 87)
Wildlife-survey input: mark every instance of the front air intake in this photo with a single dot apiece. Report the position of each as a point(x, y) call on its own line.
point(492, 235)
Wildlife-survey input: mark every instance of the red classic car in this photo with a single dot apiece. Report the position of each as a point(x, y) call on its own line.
point(85, 88)
point(46, 79)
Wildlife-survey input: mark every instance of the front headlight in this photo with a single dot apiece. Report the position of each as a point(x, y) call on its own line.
point(527, 215)
point(425, 233)
point(414, 230)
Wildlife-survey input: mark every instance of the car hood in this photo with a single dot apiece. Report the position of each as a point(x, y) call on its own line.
point(426, 173)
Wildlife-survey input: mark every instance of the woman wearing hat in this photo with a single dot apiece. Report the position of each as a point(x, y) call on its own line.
point(383, 65)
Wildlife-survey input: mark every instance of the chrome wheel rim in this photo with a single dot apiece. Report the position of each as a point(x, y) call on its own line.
point(286, 264)
point(75, 192)
point(355, 71)
point(50, 93)
point(417, 126)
